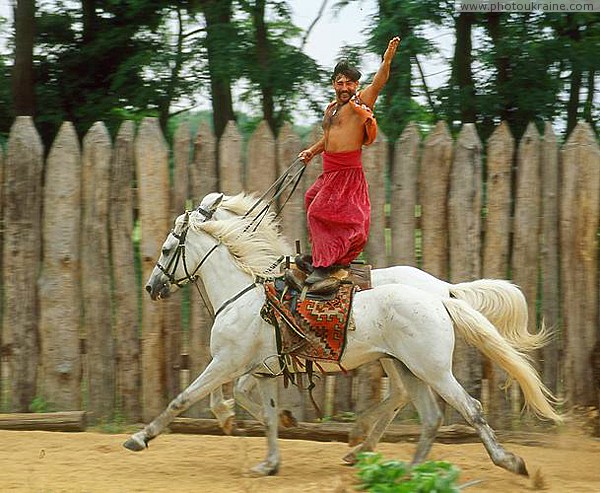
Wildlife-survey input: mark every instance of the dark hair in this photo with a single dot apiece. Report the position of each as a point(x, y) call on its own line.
point(344, 68)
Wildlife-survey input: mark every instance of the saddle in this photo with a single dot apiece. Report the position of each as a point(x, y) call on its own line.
point(310, 328)
point(312, 325)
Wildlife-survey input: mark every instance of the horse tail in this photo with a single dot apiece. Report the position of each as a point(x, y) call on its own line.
point(477, 331)
point(505, 306)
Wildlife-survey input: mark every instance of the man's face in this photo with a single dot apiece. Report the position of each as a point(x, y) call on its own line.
point(344, 88)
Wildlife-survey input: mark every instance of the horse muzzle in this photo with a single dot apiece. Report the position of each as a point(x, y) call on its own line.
point(158, 290)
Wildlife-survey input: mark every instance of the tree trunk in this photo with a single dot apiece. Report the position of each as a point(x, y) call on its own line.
point(574, 34)
point(23, 87)
point(502, 64)
point(263, 55)
point(217, 14)
point(165, 103)
point(462, 73)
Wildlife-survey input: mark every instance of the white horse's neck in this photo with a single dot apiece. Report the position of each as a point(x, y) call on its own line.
point(222, 278)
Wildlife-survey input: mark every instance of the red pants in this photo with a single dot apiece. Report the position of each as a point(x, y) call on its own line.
point(338, 210)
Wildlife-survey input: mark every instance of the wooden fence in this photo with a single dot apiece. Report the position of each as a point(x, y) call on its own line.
point(81, 224)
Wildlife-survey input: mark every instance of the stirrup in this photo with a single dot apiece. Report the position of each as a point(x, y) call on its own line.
point(325, 287)
point(304, 263)
point(293, 280)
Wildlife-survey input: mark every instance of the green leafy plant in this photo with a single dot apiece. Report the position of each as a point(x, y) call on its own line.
point(391, 476)
point(40, 405)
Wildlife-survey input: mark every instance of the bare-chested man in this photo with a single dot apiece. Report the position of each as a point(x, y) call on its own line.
point(337, 204)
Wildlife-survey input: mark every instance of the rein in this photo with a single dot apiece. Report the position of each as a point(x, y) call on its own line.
point(290, 178)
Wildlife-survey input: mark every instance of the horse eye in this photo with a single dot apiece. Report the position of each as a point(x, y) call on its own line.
point(166, 251)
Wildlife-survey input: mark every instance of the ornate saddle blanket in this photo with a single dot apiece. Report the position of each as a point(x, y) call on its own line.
point(309, 328)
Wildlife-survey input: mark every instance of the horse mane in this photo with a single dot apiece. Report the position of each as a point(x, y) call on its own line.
point(255, 248)
point(241, 203)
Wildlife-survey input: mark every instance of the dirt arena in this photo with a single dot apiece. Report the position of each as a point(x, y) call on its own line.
point(93, 462)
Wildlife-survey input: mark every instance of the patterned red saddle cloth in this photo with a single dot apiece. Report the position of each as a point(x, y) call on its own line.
point(309, 328)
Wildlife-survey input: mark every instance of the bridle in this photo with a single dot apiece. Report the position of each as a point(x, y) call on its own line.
point(288, 180)
point(171, 267)
point(192, 277)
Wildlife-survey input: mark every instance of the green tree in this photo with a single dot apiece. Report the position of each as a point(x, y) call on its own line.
point(23, 82)
point(275, 68)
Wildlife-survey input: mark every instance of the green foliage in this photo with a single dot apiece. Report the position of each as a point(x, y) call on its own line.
point(40, 405)
point(391, 476)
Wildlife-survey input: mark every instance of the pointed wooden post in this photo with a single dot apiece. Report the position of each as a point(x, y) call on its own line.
point(496, 247)
point(261, 170)
point(527, 219)
point(152, 170)
point(375, 163)
point(464, 212)
point(21, 258)
point(203, 169)
point(230, 160)
point(434, 176)
point(203, 174)
point(579, 222)
point(293, 217)
point(60, 282)
point(95, 271)
point(403, 202)
point(173, 310)
point(549, 261)
point(3, 372)
point(126, 288)
point(496, 250)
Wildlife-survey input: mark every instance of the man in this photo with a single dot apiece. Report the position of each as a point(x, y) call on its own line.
point(337, 204)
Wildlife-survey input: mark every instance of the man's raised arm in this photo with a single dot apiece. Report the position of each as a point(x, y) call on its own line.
point(369, 94)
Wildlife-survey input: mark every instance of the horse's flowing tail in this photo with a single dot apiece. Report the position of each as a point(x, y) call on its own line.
point(478, 331)
point(505, 306)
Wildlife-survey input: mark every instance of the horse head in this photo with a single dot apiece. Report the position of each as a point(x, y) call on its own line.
point(172, 270)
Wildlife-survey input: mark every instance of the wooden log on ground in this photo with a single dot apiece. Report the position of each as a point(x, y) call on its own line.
point(321, 432)
point(338, 432)
point(61, 421)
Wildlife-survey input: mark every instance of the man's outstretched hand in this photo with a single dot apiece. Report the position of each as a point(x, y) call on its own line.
point(391, 49)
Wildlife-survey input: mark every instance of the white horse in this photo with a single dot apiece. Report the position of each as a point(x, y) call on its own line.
point(410, 329)
point(500, 301)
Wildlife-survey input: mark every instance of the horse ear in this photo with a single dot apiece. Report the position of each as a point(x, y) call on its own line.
point(212, 206)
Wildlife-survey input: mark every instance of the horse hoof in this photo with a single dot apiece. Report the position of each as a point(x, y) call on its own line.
point(356, 436)
point(229, 425)
point(521, 468)
point(287, 419)
point(136, 444)
point(264, 469)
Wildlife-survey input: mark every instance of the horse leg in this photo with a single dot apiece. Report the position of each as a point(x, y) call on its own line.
point(242, 393)
point(454, 394)
point(223, 409)
point(371, 424)
point(426, 405)
point(216, 374)
point(267, 387)
point(423, 400)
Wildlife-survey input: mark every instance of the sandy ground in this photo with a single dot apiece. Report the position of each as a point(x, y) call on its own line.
point(94, 462)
